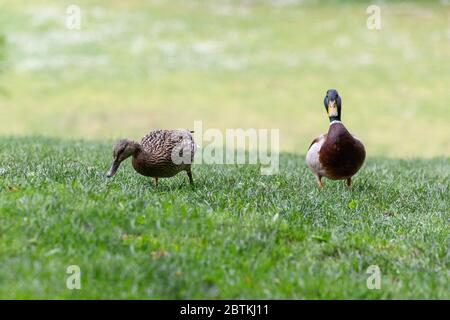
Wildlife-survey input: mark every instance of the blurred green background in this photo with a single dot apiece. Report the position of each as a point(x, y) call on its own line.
point(139, 65)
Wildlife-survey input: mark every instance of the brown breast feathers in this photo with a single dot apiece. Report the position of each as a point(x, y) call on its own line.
point(341, 154)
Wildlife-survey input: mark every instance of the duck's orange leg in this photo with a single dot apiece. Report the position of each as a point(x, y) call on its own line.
point(349, 182)
point(319, 181)
point(156, 181)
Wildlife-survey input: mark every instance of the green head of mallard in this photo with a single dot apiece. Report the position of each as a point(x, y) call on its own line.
point(332, 104)
point(122, 150)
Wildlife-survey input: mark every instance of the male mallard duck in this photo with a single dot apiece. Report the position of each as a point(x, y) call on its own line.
point(336, 155)
point(161, 154)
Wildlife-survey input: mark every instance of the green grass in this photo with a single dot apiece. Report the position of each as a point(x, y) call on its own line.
point(236, 234)
point(137, 65)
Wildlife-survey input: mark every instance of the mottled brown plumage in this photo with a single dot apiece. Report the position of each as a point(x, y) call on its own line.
point(160, 154)
point(336, 155)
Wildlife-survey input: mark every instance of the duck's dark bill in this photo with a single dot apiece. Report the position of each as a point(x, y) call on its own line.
point(113, 169)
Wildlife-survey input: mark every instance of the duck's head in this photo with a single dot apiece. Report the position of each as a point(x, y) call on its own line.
point(332, 104)
point(122, 150)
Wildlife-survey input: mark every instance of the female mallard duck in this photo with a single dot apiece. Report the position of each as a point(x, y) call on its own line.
point(336, 155)
point(161, 154)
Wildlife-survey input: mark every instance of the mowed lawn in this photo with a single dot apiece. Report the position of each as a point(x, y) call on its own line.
point(235, 234)
point(140, 65)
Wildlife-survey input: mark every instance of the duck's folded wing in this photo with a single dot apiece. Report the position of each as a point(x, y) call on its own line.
point(153, 140)
point(182, 142)
point(318, 139)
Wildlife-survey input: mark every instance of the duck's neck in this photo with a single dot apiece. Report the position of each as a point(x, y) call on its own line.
point(138, 150)
point(334, 120)
point(141, 153)
point(336, 129)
